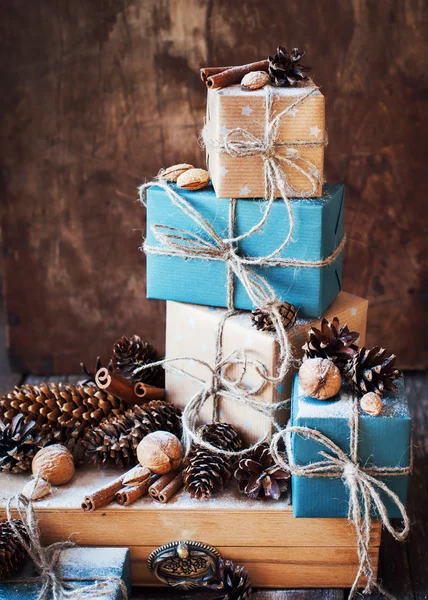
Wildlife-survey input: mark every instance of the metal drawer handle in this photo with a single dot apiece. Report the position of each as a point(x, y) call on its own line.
point(188, 565)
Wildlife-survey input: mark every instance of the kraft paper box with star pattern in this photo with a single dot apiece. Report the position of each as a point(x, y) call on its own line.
point(191, 331)
point(234, 107)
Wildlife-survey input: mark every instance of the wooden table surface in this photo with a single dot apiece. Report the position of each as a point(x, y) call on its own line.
point(403, 567)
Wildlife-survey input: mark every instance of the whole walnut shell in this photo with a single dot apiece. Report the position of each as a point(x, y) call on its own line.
point(320, 378)
point(54, 464)
point(160, 452)
point(255, 80)
point(371, 403)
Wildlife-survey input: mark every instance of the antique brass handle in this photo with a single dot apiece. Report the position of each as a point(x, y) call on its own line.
point(189, 565)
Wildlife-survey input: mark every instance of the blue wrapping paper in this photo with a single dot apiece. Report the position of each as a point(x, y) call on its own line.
point(384, 441)
point(92, 563)
point(317, 232)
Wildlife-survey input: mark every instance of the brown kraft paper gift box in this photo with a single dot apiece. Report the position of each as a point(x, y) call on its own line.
point(234, 107)
point(191, 331)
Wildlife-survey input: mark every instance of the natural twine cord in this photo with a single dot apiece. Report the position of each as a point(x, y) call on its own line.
point(53, 585)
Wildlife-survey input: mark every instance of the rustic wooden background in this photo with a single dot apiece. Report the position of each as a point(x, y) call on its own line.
point(98, 94)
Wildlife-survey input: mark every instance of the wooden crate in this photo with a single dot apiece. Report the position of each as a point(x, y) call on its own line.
point(278, 550)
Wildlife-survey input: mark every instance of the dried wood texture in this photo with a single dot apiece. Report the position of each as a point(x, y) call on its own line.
point(98, 97)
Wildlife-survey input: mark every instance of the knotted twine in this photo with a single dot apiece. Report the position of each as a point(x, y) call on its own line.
point(53, 585)
point(360, 481)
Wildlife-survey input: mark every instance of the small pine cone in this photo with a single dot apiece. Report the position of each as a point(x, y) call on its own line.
point(12, 553)
point(19, 442)
point(115, 440)
point(332, 341)
point(236, 581)
point(372, 371)
point(131, 353)
point(262, 320)
point(259, 476)
point(206, 472)
point(285, 68)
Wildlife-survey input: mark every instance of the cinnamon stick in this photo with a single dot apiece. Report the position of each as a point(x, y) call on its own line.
point(104, 495)
point(156, 488)
point(172, 488)
point(235, 74)
point(208, 71)
point(117, 386)
point(148, 392)
point(128, 494)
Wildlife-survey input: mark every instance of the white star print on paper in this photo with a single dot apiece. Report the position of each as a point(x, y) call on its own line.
point(244, 191)
point(224, 130)
point(315, 131)
point(223, 171)
point(192, 323)
point(353, 311)
point(293, 112)
point(247, 110)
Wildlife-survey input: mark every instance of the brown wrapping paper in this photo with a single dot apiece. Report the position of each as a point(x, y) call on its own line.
point(232, 107)
point(191, 331)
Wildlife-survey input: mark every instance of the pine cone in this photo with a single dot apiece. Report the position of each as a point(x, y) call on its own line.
point(236, 581)
point(12, 553)
point(372, 371)
point(115, 440)
point(333, 342)
point(262, 319)
point(285, 69)
point(206, 472)
point(19, 442)
point(61, 411)
point(131, 353)
point(259, 476)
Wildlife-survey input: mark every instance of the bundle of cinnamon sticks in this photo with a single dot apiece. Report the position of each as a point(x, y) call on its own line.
point(160, 488)
point(217, 77)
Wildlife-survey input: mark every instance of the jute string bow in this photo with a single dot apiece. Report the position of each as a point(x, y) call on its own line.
point(362, 483)
point(53, 585)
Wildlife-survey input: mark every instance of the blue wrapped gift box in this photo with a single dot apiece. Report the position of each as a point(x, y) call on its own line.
point(384, 441)
point(94, 564)
point(317, 232)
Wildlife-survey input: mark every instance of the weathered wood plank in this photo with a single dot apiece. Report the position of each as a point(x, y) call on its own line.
point(97, 98)
point(258, 594)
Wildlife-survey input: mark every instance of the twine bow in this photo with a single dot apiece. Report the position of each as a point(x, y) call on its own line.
point(53, 585)
point(362, 483)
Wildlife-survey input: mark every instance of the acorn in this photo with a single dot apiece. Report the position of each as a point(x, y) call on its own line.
point(320, 378)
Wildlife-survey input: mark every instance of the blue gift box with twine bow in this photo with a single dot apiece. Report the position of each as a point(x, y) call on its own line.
point(317, 234)
point(107, 566)
point(383, 441)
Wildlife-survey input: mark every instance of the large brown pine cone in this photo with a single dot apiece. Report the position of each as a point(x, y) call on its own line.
point(114, 441)
point(12, 552)
point(236, 581)
point(372, 371)
point(332, 341)
point(131, 353)
point(19, 442)
point(206, 472)
point(262, 320)
point(259, 476)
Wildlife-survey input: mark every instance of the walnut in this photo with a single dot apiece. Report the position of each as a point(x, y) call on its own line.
point(160, 452)
point(371, 403)
point(320, 378)
point(54, 464)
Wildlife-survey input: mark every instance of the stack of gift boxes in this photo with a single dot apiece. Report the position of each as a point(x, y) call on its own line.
point(197, 288)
